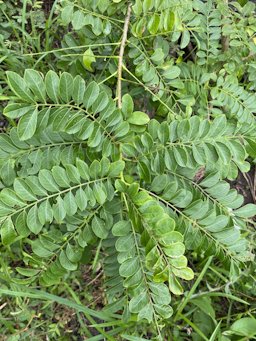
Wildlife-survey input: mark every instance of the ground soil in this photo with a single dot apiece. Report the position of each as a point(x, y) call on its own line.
point(245, 184)
point(47, 5)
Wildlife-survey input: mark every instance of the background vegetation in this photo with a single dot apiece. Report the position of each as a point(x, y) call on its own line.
point(127, 157)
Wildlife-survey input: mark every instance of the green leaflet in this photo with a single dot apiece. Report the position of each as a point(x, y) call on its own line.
point(88, 59)
point(99, 228)
point(59, 212)
point(121, 228)
point(23, 190)
point(91, 93)
point(16, 110)
point(36, 83)
point(171, 72)
point(138, 118)
point(66, 14)
point(129, 267)
point(78, 89)
point(100, 194)
point(245, 326)
point(47, 181)
point(8, 233)
point(127, 105)
point(66, 263)
point(78, 20)
point(52, 83)
point(27, 125)
point(33, 221)
point(19, 86)
point(45, 212)
point(66, 87)
point(70, 204)
point(137, 303)
point(185, 39)
point(60, 176)
point(81, 199)
point(10, 198)
point(246, 211)
point(27, 272)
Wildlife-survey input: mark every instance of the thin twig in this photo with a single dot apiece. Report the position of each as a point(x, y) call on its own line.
point(191, 53)
point(3, 305)
point(95, 278)
point(250, 184)
point(250, 55)
point(121, 55)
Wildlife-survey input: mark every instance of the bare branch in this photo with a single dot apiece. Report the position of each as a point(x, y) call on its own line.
point(121, 55)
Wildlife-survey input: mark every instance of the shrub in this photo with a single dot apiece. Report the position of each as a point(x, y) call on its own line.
point(131, 155)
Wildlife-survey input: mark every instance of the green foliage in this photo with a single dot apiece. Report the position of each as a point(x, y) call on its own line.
point(142, 190)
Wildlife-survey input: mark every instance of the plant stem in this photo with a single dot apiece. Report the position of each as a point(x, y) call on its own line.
point(224, 39)
point(121, 55)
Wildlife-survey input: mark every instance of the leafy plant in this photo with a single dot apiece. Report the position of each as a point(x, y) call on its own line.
point(130, 156)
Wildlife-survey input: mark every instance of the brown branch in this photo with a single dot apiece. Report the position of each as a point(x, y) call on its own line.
point(225, 43)
point(121, 55)
point(224, 39)
point(191, 50)
point(250, 55)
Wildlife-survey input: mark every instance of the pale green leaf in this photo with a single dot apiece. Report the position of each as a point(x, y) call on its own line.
point(45, 213)
point(19, 86)
point(172, 72)
point(88, 59)
point(70, 204)
point(78, 89)
point(59, 212)
point(121, 228)
point(185, 38)
point(7, 231)
point(47, 181)
point(10, 198)
point(91, 93)
point(138, 302)
point(127, 105)
point(129, 267)
point(66, 263)
point(99, 228)
point(78, 20)
point(138, 118)
point(52, 83)
point(81, 199)
point(36, 83)
point(246, 211)
point(66, 87)
point(33, 221)
point(244, 326)
point(27, 125)
point(23, 190)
